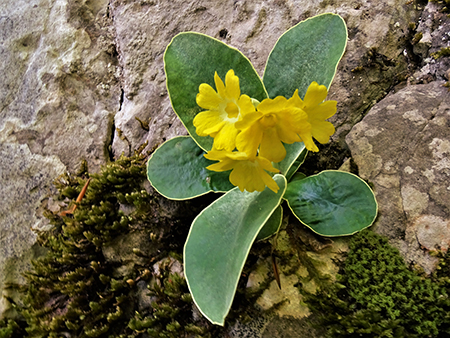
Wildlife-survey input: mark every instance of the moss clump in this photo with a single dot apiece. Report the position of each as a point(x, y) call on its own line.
point(76, 291)
point(441, 53)
point(165, 318)
point(378, 296)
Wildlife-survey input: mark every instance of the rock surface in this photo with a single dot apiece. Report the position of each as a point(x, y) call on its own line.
point(60, 92)
point(402, 146)
point(378, 45)
point(78, 75)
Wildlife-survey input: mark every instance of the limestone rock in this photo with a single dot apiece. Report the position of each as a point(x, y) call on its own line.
point(402, 146)
point(378, 34)
point(59, 94)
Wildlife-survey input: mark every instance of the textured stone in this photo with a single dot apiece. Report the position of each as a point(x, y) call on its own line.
point(28, 178)
point(378, 34)
point(59, 94)
point(402, 146)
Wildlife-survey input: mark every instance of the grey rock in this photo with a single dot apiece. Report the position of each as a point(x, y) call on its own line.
point(402, 146)
point(378, 34)
point(28, 180)
point(59, 94)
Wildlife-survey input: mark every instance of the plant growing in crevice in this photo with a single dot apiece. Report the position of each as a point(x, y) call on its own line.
point(259, 131)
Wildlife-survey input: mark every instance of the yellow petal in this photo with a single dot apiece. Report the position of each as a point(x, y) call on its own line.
point(219, 85)
point(208, 122)
point(269, 182)
point(315, 94)
point(268, 106)
point(245, 105)
point(215, 155)
point(237, 156)
point(248, 120)
point(249, 139)
point(323, 111)
point(296, 101)
point(226, 137)
point(289, 125)
point(247, 176)
point(308, 141)
point(266, 164)
point(322, 130)
point(271, 147)
point(207, 98)
point(224, 165)
point(232, 85)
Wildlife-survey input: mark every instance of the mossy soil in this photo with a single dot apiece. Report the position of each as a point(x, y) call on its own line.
point(92, 283)
point(377, 295)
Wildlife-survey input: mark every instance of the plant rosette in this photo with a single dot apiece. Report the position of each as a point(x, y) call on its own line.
point(248, 137)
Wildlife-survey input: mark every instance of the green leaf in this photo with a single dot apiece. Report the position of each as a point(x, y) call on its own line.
point(309, 51)
point(218, 244)
point(297, 163)
point(177, 170)
point(192, 59)
point(295, 153)
point(272, 225)
point(332, 203)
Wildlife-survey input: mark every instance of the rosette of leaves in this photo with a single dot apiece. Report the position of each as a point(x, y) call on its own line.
point(332, 203)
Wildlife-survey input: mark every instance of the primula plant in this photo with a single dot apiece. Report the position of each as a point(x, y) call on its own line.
point(248, 137)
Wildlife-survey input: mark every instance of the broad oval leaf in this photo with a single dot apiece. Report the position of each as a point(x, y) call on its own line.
point(272, 225)
point(309, 51)
point(177, 170)
point(192, 59)
point(218, 243)
point(332, 203)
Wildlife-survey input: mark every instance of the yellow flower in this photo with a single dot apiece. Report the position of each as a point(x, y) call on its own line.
point(248, 172)
point(275, 121)
point(318, 111)
point(224, 108)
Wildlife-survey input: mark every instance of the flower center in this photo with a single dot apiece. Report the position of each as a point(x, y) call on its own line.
point(268, 121)
point(232, 110)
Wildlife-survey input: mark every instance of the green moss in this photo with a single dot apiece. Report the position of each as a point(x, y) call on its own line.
point(378, 296)
point(441, 53)
point(75, 291)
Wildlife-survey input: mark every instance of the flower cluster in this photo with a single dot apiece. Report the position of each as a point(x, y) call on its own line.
point(249, 135)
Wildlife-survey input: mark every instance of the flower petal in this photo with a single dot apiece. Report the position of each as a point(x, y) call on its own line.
point(315, 94)
point(207, 98)
point(247, 176)
point(208, 122)
point(248, 120)
point(221, 166)
point(269, 182)
point(245, 105)
point(266, 164)
point(322, 130)
point(249, 139)
point(219, 85)
point(323, 111)
point(233, 90)
point(271, 147)
point(306, 137)
point(268, 106)
point(226, 137)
